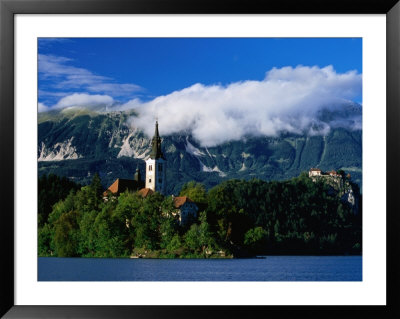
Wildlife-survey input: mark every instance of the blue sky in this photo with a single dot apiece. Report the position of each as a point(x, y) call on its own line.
point(146, 68)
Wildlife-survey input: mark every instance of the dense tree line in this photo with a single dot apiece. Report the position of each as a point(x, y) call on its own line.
point(84, 225)
point(298, 216)
point(237, 218)
point(52, 188)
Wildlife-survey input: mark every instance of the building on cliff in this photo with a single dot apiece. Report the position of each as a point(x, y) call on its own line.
point(314, 172)
point(317, 172)
point(340, 184)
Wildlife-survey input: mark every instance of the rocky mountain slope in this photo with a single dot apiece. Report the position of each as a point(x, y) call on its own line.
point(79, 143)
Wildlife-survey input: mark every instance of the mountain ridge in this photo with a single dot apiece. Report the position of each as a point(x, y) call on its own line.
point(76, 144)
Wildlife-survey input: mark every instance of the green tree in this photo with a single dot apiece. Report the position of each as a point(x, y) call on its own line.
point(51, 189)
point(256, 239)
point(95, 193)
point(109, 241)
point(195, 191)
point(45, 235)
point(174, 244)
point(66, 235)
point(147, 222)
point(88, 234)
point(192, 238)
point(199, 237)
point(168, 229)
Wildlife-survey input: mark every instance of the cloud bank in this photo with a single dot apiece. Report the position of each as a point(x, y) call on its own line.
point(81, 100)
point(287, 100)
point(86, 100)
point(300, 100)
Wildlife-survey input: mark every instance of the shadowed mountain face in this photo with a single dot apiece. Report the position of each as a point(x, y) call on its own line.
point(79, 143)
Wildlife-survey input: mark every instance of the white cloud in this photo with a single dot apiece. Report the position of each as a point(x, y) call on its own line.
point(288, 99)
point(63, 76)
point(85, 100)
point(42, 107)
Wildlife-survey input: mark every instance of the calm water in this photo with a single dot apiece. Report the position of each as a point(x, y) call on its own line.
point(272, 268)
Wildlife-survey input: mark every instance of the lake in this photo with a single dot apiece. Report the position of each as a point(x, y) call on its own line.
point(270, 268)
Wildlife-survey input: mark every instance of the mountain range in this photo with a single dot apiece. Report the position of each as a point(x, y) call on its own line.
point(77, 143)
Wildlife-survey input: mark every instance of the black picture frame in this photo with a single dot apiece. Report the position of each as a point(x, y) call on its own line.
point(8, 8)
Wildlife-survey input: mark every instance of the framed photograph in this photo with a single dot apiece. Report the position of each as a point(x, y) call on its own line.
point(176, 159)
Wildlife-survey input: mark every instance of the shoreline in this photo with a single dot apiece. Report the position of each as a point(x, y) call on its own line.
point(254, 257)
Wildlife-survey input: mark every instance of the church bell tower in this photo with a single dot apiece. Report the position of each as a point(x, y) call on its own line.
point(156, 165)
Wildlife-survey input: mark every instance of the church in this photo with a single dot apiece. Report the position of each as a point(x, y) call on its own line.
point(156, 166)
point(155, 179)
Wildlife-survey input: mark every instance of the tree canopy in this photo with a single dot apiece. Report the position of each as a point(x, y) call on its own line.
point(237, 218)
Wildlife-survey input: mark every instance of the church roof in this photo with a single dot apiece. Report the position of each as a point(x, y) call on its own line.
point(179, 201)
point(144, 192)
point(120, 185)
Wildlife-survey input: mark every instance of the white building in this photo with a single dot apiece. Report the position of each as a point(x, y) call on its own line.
point(314, 172)
point(156, 166)
point(186, 209)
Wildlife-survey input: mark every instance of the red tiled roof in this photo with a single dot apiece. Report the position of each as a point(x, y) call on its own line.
point(144, 192)
point(120, 185)
point(179, 201)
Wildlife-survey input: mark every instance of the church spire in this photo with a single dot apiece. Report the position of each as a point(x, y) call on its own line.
point(156, 165)
point(156, 145)
point(156, 131)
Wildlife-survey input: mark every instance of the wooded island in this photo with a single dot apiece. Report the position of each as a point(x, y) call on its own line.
point(237, 218)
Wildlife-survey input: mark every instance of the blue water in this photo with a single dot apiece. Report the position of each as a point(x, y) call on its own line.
point(272, 268)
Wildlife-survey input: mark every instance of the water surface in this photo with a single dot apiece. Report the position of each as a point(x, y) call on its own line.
point(271, 268)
